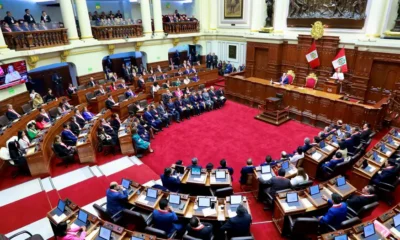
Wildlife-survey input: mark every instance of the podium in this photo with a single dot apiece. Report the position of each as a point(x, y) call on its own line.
point(272, 111)
point(332, 86)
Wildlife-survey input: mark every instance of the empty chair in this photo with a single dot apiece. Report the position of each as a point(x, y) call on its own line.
point(143, 103)
point(121, 98)
point(64, 159)
point(138, 219)
point(363, 212)
point(81, 87)
point(302, 227)
point(222, 192)
point(26, 108)
point(202, 86)
point(159, 233)
point(104, 215)
point(53, 112)
point(386, 191)
point(28, 237)
point(4, 121)
point(89, 96)
point(303, 185)
point(101, 82)
point(5, 156)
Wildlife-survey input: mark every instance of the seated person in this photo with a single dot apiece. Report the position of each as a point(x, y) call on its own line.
point(50, 96)
point(166, 97)
point(11, 114)
point(129, 93)
point(300, 177)
point(88, 116)
point(207, 99)
point(349, 143)
point(165, 219)
point(172, 111)
point(142, 131)
point(222, 164)
point(172, 183)
point(139, 142)
point(356, 136)
point(66, 104)
point(248, 169)
point(338, 125)
point(181, 108)
point(228, 68)
point(155, 123)
point(37, 101)
point(336, 213)
point(164, 116)
point(284, 79)
point(61, 149)
point(91, 82)
point(297, 156)
point(115, 122)
point(274, 184)
point(122, 84)
point(116, 196)
point(178, 93)
point(101, 90)
point(366, 132)
point(368, 196)
point(71, 89)
point(61, 110)
point(45, 115)
point(195, 164)
point(66, 232)
point(195, 78)
point(214, 97)
point(68, 135)
point(186, 80)
point(23, 141)
point(238, 226)
point(110, 102)
point(336, 159)
point(199, 230)
point(41, 123)
point(74, 126)
point(31, 130)
point(268, 161)
point(79, 118)
point(387, 174)
point(105, 138)
point(342, 149)
point(17, 155)
point(194, 110)
point(307, 145)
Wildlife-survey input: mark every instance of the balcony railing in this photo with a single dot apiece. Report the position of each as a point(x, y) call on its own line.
point(181, 27)
point(117, 32)
point(36, 39)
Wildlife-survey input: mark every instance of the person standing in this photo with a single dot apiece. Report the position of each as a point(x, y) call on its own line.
point(28, 17)
point(9, 19)
point(214, 61)
point(45, 18)
point(57, 83)
point(209, 60)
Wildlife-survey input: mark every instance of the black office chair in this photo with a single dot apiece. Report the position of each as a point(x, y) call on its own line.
point(302, 227)
point(339, 169)
point(159, 233)
point(249, 183)
point(4, 121)
point(104, 215)
point(140, 221)
point(31, 237)
point(26, 108)
point(89, 96)
point(188, 237)
point(243, 238)
point(355, 158)
point(303, 185)
point(101, 82)
point(345, 224)
point(386, 191)
point(121, 98)
point(64, 159)
point(269, 199)
point(222, 192)
point(363, 212)
point(106, 148)
point(201, 87)
point(53, 112)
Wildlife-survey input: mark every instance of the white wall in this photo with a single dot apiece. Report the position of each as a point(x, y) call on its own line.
point(182, 7)
point(221, 48)
point(17, 7)
point(106, 6)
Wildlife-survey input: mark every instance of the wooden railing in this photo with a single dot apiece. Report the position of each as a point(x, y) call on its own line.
point(117, 32)
point(36, 39)
point(181, 27)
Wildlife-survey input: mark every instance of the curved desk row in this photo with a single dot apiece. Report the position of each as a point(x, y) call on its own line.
point(79, 96)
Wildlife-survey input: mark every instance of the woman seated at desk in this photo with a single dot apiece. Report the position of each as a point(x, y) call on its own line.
point(23, 141)
point(139, 142)
point(37, 101)
point(300, 177)
point(87, 115)
point(68, 233)
point(61, 109)
point(178, 93)
point(31, 130)
point(41, 123)
point(17, 156)
point(49, 97)
point(61, 149)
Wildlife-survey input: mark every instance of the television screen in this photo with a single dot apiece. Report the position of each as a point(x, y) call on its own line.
point(12, 74)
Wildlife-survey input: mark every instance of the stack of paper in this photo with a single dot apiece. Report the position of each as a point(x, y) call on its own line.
point(209, 212)
point(60, 218)
point(316, 155)
point(142, 199)
point(266, 176)
point(200, 179)
point(231, 214)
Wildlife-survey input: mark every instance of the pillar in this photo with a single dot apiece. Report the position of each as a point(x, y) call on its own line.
point(2, 42)
point(258, 11)
point(68, 17)
point(281, 9)
point(376, 17)
point(157, 16)
point(146, 18)
point(84, 21)
point(213, 14)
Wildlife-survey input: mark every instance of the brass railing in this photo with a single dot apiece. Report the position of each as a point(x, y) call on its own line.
point(117, 32)
point(36, 39)
point(181, 27)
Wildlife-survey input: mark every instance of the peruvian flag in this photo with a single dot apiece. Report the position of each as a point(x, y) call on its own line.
point(340, 61)
point(312, 56)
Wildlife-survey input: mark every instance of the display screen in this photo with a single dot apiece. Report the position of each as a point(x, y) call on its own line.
point(12, 74)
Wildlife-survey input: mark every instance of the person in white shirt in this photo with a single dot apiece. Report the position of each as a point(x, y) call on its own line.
point(155, 88)
point(33, 94)
point(300, 177)
point(23, 141)
point(342, 149)
point(297, 156)
point(186, 81)
point(338, 75)
point(11, 74)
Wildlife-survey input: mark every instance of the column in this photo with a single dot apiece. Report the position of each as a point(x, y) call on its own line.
point(281, 9)
point(257, 21)
point(84, 21)
point(213, 14)
point(2, 42)
point(201, 13)
point(68, 17)
point(157, 16)
point(376, 19)
point(146, 18)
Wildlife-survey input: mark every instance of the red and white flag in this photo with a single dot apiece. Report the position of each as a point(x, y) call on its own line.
point(340, 61)
point(312, 56)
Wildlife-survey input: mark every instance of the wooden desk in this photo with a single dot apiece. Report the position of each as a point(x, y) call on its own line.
point(313, 158)
point(257, 175)
point(231, 214)
point(380, 162)
point(144, 236)
point(199, 180)
point(305, 105)
point(140, 199)
point(389, 151)
point(118, 232)
point(79, 96)
point(358, 232)
point(216, 213)
point(125, 141)
point(185, 200)
point(332, 235)
point(361, 177)
point(122, 107)
point(220, 182)
point(70, 210)
point(99, 102)
point(344, 191)
point(317, 200)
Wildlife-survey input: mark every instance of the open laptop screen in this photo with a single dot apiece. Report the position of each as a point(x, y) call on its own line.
point(152, 193)
point(314, 190)
point(174, 199)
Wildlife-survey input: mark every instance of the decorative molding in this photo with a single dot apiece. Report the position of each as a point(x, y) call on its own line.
point(63, 55)
point(138, 45)
point(175, 41)
point(196, 39)
point(32, 60)
point(111, 48)
point(86, 51)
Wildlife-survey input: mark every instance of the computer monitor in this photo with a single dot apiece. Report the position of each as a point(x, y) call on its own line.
point(152, 193)
point(322, 144)
point(204, 202)
point(180, 169)
point(196, 171)
point(314, 190)
point(174, 199)
point(220, 174)
point(383, 148)
point(61, 205)
point(285, 165)
point(82, 216)
point(396, 220)
point(341, 237)
point(390, 139)
point(334, 139)
point(340, 181)
point(265, 169)
point(292, 197)
point(126, 183)
point(369, 230)
point(375, 155)
point(236, 199)
point(105, 233)
point(348, 128)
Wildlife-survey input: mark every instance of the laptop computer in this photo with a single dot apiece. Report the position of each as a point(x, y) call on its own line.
point(175, 201)
point(179, 169)
point(196, 171)
point(220, 175)
point(341, 237)
point(396, 220)
point(204, 202)
point(127, 185)
point(151, 194)
point(104, 234)
point(265, 169)
point(340, 181)
point(369, 230)
point(82, 219)
point(322, 144)
point(236, 200)
point(375, 156)
point(334, 139)
point(348, 128)
point(314, 190)
point(292, 197)
point(60, 208)
point(285, 165)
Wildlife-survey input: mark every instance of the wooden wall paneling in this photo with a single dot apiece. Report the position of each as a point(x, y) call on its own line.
point(43, 80)
point(163, 64)
point(341, 111)
point(250, 59)
point(357, 113)
point(310, 107)
point(260, 93)
point(17, 101)
point(261, 62)
point(296, 104)
point(84, 79)
point(325, 110)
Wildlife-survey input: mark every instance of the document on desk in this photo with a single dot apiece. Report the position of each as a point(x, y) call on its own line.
point(370, 168)
point(150, 183)
point(30, 151)
point(213, 179)
point(82, 135)
point(209, 212)
point(266, 176)
point(395, 232)
point(200, 179)
point(60, 218)
point(328, 147)
point(290, 207)
point(306, 203)
point(316, 156)
point(292, 170)
point(388, 153)
point(74, 225)
point(142, 199)
point(231, 214)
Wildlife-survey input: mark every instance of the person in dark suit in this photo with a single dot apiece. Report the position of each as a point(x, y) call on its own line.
point(44, 115)
point(172, 183)
point(222, 164)
point(74, 126)
point(116, 198)
point(28, 17)
point(199, 230)
point(68, 135)
point(221, 95)
point(336, 213)
point(275, 183)
point(307, 145)
point(238, 226)
point(338, 158)
point(71, 90)
point(213, 95)
point(246, 170)
point(57, 83)
point(125, 73)
point(50, 96)
point(165, 219)
point(228, 68)
point(108, 62)
point(268, 161)
point(155, 123)
point(115, 122)
point(181, 108)
point(349, 143)
point(209, 60)
point(284, 79)
point(195, 164)
point(129, 93)
point(387, 174)
point(366, 132)
point(163, 118)
point(9, 19)
point(79, 118)
point(108, 128)
point(11, 114)
point(172, 110)
point(368, 196)
point(61, 149)
point(45, 18)
point(91, 82)
point(110, 102)
point(17, 155)
point(356, 136)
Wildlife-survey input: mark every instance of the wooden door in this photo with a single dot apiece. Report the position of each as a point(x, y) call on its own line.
point(261, 63)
